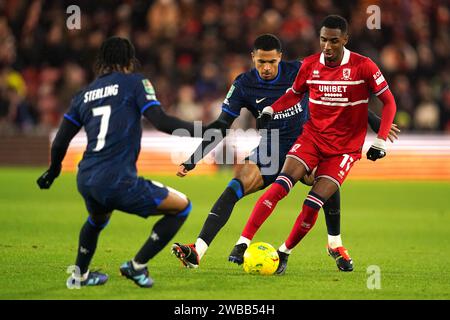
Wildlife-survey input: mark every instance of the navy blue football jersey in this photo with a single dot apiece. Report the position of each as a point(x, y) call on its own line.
point(110, 110)
point(250, 91)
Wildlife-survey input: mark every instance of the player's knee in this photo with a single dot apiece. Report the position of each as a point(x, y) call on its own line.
point(186, 210)
point(237, 186)
point(99, 222)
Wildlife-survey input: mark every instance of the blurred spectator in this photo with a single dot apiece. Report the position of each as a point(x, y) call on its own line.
point(186, 107)
point(445, 119)
point(426, 116)
point(193, 50)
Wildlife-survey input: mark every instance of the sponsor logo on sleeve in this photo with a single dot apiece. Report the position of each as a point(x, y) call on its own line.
point(379, 78)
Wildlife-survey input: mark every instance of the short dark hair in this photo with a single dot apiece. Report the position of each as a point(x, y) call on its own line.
point(335, 22)
point(115, 54)
point(267, 42)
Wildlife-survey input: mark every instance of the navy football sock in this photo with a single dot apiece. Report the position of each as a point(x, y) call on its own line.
point(88, 243)
point(221, 211)
point(163, 231)
point(332, 209)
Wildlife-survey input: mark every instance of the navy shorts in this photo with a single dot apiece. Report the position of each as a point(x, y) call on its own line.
point(132, 195)
point(270, 157)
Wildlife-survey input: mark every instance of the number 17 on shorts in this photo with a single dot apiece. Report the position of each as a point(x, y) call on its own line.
point(336, 168)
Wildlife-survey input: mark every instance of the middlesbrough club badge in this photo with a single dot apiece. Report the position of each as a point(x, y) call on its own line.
point(346, 73)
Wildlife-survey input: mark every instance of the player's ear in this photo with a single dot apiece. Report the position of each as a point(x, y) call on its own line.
point(130, 67)
point(253, 57)
point(345, 39)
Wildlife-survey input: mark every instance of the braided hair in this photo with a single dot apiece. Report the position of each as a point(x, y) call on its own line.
point(115, 54)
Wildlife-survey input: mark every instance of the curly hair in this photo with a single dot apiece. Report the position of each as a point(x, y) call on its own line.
point(115, 54)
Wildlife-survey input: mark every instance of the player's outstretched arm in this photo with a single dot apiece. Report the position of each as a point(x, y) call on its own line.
point(60, 144)
point(165, 123)
point(289, 99)
point(378, 148)
point(375, 122)
point(295, 94)
point(213, 134)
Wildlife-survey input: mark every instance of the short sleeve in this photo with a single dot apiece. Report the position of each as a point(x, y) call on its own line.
point(300, 84)
point(234, 101)
point(145, 95)
point(376, 81)
point(74, 114)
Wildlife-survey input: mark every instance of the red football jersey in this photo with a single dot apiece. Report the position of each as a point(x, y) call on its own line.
point(338, 99)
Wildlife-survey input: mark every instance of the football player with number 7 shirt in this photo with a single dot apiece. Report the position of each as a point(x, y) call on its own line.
point(339, 83)
point(110, 109)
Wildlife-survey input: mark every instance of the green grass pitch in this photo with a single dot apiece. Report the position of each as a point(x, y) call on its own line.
point(401, 227)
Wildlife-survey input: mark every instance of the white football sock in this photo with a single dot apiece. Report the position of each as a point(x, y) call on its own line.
point(138, 266)
point(82, 278)
point(243, 240)
point(284, 249)
point(201, 247)
point(334, 241)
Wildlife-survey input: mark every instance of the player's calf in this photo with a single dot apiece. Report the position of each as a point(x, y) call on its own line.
point(219, 215)
point(266, 204)
point(163, 231)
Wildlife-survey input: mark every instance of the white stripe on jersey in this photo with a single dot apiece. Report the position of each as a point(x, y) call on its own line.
point(339, 104)
point(381, 91)
point(333, 82)
point(293, 90)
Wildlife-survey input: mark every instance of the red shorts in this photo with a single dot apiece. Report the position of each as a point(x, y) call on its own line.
point(332, 166)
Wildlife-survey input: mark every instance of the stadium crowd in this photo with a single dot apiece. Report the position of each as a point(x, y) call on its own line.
point(192, 51)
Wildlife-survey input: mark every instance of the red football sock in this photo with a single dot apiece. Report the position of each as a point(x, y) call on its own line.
point(305, 221)
point(263, 208)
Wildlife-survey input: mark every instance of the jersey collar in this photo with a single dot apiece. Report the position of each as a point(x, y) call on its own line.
point(345, 58)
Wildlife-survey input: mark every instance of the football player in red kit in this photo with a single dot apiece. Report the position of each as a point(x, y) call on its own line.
point(339, 83)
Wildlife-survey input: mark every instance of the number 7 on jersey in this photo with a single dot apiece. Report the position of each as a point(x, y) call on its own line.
point(105, 113)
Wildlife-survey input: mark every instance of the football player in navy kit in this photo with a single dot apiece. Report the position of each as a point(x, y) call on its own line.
point(110, 110)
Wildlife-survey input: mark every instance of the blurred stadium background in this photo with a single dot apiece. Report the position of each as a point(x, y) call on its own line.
point(192, 51)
